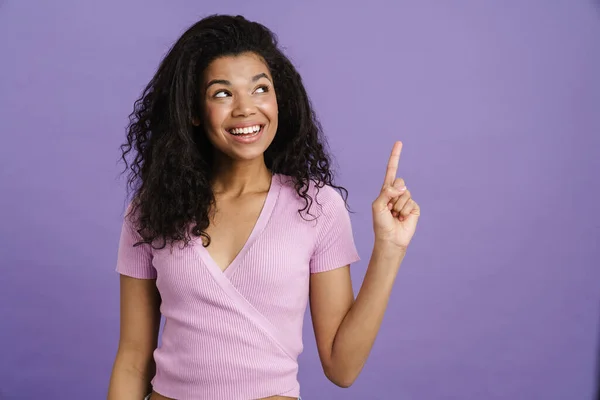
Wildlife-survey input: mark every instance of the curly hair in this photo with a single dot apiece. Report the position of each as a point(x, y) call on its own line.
point(170, 174)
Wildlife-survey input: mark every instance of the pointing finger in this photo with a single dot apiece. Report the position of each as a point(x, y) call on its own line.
point(392, 166)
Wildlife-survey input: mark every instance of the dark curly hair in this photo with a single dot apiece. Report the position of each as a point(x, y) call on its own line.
point(171, 172)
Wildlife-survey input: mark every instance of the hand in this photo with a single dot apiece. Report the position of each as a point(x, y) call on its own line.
point(395, 213)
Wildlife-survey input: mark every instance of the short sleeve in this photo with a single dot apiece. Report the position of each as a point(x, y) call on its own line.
point(335, 246)
point(134, 261)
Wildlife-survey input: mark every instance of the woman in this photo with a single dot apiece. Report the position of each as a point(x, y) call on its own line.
point(236, 224)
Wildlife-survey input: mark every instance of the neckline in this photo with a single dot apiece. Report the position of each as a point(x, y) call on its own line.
point(259, 226)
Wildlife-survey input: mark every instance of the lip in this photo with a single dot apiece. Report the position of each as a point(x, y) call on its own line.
point(247, 139)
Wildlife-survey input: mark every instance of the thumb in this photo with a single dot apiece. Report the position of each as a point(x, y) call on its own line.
point(387, 194)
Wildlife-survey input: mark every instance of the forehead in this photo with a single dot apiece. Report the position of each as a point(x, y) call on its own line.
point(241, 66)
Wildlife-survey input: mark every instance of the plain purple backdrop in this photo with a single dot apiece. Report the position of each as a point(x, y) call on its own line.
point(498, 106)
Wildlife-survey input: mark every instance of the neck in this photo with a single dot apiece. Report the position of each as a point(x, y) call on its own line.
point(236, 178)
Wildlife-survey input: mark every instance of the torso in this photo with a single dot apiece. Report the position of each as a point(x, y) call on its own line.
point(229, 229)
point(220, 277)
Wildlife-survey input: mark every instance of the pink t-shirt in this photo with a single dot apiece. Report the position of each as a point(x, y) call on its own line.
point(237, 334)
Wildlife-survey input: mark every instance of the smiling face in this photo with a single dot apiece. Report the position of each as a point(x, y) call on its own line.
point(239, 106)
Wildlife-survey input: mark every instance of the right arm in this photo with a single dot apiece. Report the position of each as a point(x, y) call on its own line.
point(134, 366)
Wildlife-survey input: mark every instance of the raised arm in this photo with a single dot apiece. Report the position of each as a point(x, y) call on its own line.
point(345, 329)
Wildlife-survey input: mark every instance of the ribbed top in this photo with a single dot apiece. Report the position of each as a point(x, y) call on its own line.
point(237, 334)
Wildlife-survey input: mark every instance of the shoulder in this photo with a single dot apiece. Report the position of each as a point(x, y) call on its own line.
point(131, 224)
point(130, 216)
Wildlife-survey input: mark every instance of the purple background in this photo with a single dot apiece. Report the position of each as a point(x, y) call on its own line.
point(498, 107)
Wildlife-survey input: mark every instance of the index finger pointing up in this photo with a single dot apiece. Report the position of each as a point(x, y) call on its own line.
point(392, 166)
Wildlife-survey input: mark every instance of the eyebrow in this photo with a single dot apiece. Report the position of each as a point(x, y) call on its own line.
point(227, 83)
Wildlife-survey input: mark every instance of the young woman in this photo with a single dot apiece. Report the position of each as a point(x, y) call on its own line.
point(235, 224)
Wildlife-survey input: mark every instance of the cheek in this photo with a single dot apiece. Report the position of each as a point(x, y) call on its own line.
point(214, 117)
point(270, 109)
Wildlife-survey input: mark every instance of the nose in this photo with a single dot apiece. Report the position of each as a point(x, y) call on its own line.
point(244, 106)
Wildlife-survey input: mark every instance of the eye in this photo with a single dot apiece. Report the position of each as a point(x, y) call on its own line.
point(221, 94)
point(262, 89)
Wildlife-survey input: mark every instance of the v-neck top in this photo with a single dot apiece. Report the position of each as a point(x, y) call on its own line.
point(237, 334)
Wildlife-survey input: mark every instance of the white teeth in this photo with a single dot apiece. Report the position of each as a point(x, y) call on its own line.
point(245, 131)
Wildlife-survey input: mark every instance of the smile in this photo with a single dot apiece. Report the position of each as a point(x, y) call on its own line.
point(247, 131)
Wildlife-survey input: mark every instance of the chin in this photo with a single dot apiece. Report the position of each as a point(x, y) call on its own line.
point(248, 155)
point(234, 152)
point(247, 152)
